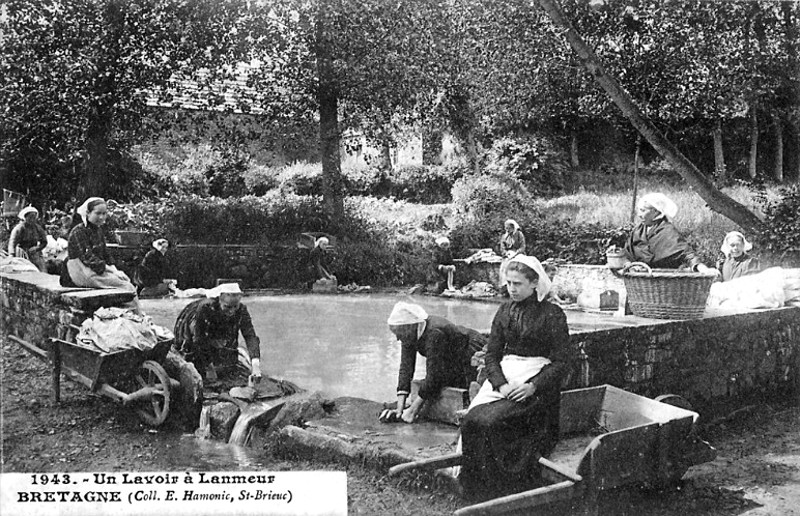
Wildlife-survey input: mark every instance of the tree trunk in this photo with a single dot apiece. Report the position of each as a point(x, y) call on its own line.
point(636, 156)
point(753, 159)
point(716, 200)
point(386, 153)
point(573, 150)
point(471, 148)
point(719, 155)
point(791, 11)
point(431, 146)
point(778, 128)
point(94, 179)
point(328, 99)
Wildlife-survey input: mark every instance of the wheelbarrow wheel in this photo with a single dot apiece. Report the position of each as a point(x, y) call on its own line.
point(152, 375)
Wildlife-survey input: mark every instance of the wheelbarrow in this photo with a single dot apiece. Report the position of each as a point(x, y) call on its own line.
point(100, 371)
point(609, 438)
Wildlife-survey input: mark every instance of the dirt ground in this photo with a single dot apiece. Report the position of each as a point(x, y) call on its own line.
point(757, 471)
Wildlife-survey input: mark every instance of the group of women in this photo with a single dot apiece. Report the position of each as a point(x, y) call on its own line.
point(87, 263)
point(656, 242)
point(513, 419)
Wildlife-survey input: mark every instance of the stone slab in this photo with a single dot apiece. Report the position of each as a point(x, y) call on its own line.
point(352, 431)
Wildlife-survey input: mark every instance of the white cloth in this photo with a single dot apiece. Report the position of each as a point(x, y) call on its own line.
point(763, 290)
point(113, 329)
point(517, 370)
point(513, 223)
point(24, 212)
point(83, 209)
point(442, 240)
point(544, 285)
point(663, 204)
point(726, 248)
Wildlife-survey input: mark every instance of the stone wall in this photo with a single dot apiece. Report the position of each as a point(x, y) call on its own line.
point(711, 360)
point(571, 279)
point(199, 266)
point(34, 306)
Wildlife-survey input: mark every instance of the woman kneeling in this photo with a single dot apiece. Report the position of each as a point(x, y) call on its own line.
point(513, 420)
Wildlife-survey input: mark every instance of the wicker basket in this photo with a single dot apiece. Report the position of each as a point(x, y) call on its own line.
point(666, 294)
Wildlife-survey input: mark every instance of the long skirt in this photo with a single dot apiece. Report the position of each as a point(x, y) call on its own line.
point(502, 442)
point(83, 276)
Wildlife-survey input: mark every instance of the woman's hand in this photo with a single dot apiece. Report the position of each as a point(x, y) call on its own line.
point(519, 392)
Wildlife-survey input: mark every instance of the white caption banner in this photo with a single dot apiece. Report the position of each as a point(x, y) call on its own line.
point(194, 493)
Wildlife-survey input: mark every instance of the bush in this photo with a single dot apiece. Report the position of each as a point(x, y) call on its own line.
point(781, 234)
point(425, 184)
point(531, 159)
point(301, 178)
point(246, 220)
point(226, 179)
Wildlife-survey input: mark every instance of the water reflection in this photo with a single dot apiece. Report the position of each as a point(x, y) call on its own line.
point(186, 453)
point(338, 344)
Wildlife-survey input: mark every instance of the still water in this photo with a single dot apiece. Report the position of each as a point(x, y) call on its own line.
point(340, 345)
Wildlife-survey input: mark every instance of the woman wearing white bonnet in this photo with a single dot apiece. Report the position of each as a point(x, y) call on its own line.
point(737, 261)
point(655, 240)
point(207, 334)
point(513, 420)
point(319, 258)
point(445, 266)
point(447, 347)
point(153, 269)
point(88, 263)
point(28, 239)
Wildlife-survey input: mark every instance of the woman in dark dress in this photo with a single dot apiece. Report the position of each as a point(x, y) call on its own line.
point(88, 263)
point(737, 262)
point(152, 270)
point(445, 266)
point(448, 349)
point(656, 242)
point(513, 419)
point(28, 239)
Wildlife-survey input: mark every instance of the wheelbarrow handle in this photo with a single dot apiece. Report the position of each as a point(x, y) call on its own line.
point(444, 461)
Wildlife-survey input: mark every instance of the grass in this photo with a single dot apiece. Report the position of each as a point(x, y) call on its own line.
point(703, 227)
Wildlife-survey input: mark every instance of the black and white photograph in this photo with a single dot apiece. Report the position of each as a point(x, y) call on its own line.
point(400, 257)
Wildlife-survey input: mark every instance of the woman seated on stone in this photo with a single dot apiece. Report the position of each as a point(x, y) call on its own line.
point(514, 417)
point(656, 242)
point(445, 266)
point(153, 269)
point(512, 242)
point(28, 238)
point(448, 349)
point(207, 334)
point(88, 263)
point(737, 262)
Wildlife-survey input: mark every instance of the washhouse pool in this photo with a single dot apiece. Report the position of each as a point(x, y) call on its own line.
point(341, 345)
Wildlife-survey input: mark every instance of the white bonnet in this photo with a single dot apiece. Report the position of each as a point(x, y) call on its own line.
point(663, 204)
point(543, 287)
point(407, 313)
point(726, 248)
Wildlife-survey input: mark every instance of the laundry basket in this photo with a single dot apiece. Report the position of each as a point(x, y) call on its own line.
point(666, 293)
